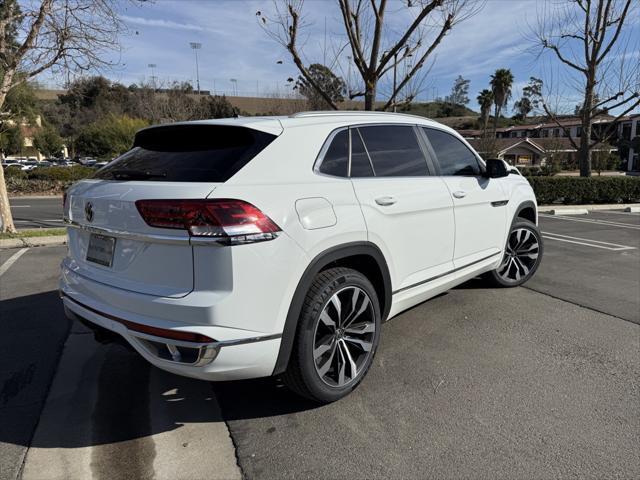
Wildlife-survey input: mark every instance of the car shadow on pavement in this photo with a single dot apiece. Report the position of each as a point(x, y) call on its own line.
point(104, 394)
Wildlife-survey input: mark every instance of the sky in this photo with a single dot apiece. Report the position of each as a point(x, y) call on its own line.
point(234, 46)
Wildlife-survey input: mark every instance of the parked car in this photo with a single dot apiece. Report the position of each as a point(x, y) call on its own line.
point(29, 165)
point(249, 247)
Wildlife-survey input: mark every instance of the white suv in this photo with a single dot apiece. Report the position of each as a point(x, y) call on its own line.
point(250, 247)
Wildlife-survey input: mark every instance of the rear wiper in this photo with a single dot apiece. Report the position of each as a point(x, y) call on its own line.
point(135, 174)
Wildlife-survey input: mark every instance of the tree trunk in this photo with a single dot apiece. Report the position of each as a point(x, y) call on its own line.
point(495, 120)
point(370, 96)
point(6, 219)
point(584, 153)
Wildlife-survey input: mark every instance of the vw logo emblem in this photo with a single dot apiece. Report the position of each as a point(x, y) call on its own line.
point(88, 211)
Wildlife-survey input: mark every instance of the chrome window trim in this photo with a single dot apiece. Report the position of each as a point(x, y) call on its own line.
point(349, 128)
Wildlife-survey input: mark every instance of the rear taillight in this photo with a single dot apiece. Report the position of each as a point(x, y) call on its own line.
point(229, 221)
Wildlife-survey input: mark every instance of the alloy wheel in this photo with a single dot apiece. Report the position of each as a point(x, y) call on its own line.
point(344, 336)
point(521, 255)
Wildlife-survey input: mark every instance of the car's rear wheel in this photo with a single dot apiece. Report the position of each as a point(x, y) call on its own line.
point(337, 336)
point(522, 256)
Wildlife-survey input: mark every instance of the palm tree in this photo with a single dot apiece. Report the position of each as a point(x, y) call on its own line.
point(485, 100)
point(501, 83)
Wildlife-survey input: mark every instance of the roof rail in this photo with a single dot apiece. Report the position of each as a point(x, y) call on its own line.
point(329, 113)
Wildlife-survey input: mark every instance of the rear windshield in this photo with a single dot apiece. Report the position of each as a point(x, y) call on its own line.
point(187, 153)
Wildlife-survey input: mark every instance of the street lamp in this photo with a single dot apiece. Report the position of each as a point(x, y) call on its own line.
point(195, 46)
point(153, 66)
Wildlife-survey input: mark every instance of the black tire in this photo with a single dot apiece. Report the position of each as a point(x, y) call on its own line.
point(303, 375)
point(515, 274)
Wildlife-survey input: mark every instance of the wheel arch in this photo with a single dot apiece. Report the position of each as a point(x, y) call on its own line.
point(528, 211)
point(365, 257)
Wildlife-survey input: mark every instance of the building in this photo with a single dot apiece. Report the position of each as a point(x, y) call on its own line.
point(532, 145)
point(629, 141)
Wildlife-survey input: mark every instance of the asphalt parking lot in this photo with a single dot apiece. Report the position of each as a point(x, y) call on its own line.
point(541, 381)
point(37, 212)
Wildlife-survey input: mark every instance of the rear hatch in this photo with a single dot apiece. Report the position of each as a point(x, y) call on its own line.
point(113, 244)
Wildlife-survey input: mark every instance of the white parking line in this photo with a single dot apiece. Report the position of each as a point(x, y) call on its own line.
point(617, 213)
point(586, 242)
point(11, 260)
point(20, 206)
point(605, 223)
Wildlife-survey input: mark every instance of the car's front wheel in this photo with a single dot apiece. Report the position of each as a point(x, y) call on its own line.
point(522, 256)
point(337, 336)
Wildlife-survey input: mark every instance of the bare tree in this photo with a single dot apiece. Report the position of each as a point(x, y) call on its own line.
point(51, 35)
point(375, 48)
point(591, 42)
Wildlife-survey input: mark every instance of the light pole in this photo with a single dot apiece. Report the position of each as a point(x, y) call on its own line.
point(153, 66)
point(195, 46)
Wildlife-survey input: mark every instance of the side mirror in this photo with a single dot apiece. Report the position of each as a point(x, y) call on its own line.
point(496, 168)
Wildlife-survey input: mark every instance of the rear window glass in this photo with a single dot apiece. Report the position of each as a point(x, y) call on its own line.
point(187, 153)
point(336, 159)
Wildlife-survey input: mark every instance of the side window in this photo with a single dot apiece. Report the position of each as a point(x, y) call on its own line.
point(454, 157)
point(360, 164)
point(394, 151)
point(336, 158)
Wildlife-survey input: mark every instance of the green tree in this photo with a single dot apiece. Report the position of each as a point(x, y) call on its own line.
point(48, 142)
point(11, 140)
point(523, 107)
point(332, 86)
point(459, 92)
point(501, 83)
point(485, 100)
point(109, 137)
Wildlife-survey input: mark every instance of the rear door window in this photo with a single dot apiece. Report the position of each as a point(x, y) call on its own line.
point(394, 151)
point(187, 153)
point(454, 157)
point(360, 163)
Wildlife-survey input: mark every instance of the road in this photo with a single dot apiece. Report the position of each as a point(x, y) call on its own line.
point(36, 212)
point(534, 382)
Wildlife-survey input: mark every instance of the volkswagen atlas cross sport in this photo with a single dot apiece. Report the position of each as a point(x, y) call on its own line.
point(249, 247)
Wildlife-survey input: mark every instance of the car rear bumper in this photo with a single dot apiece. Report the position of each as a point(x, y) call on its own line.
point(232, 354)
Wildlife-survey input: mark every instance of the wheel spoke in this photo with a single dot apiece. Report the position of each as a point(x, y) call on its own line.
point(363, 344)
point(353, 370)
point(322, 349)
point(335, 300)
point(341, 365)
point(363, 307)
point(322, 370)
point(327, 320)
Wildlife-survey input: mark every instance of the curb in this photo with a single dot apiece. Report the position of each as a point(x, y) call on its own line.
point(571, 209)
point(34, 197)
point(33, 241)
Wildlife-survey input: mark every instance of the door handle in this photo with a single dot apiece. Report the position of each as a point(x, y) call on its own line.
point(385, 201)
point(460, 194)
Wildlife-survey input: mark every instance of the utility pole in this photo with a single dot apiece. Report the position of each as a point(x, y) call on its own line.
point(153, 66)
point(395, 68)
point(195, 46)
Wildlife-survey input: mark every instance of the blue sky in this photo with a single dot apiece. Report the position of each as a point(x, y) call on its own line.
point(234, 46)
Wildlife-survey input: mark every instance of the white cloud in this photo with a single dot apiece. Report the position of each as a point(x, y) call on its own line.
point(160, 23)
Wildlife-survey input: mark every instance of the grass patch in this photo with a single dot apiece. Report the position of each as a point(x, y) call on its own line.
point(40, 232)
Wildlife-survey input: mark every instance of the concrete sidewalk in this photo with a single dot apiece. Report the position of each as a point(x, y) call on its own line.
point(109, 414)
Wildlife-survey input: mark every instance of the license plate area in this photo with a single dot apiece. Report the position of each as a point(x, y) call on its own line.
point(100, 250)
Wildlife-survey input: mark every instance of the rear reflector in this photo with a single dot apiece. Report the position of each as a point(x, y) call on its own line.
point(232, 221)
point(138, 327)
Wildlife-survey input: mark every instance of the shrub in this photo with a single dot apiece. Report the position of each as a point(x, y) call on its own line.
point(14, 172)
point(580, 190)
point(64, 174)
